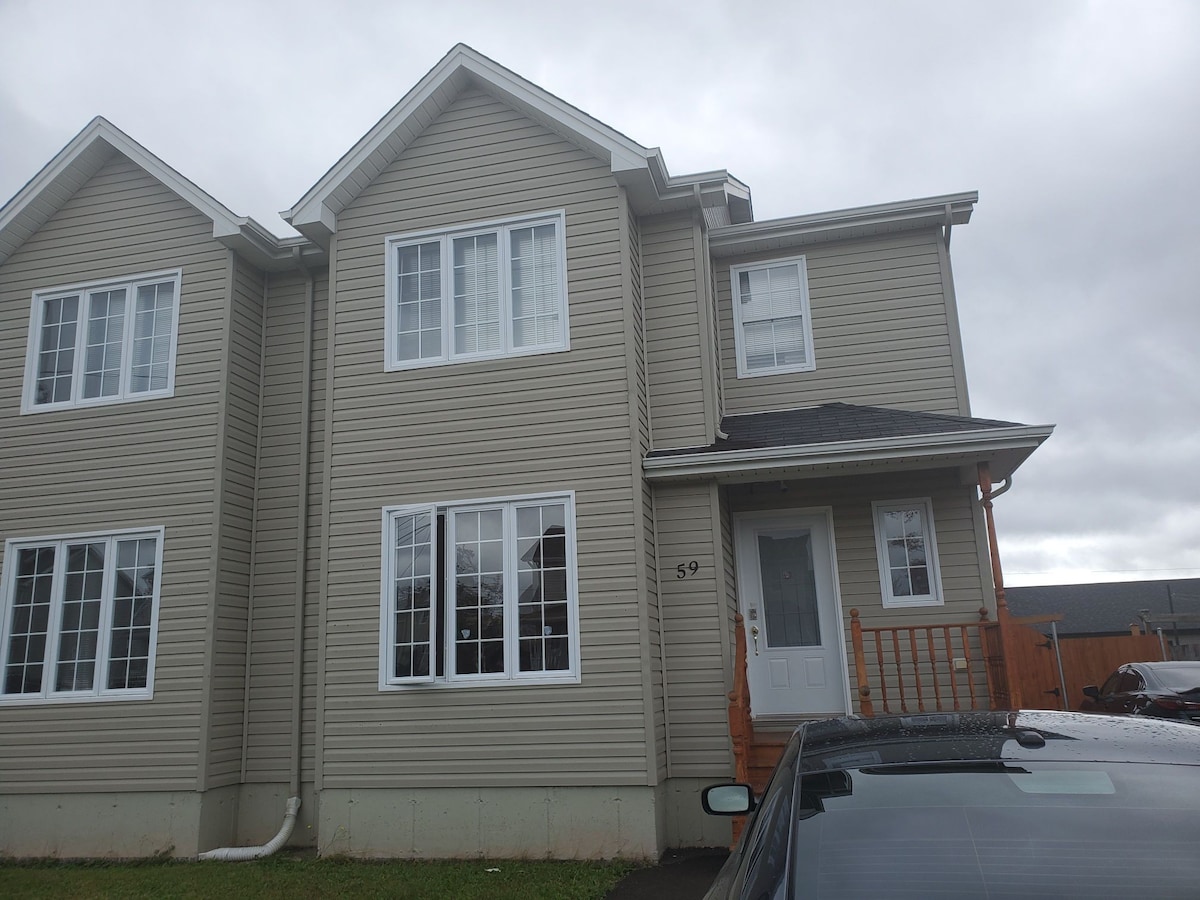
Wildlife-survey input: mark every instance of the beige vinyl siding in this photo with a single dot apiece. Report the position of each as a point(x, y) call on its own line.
point(854, 542)
point(647, 550)
point(550, 422)
point(696, 642)
point(880, 330)
point(144, 463)
point(272, 675)
point(675, 335)
point(238, 454)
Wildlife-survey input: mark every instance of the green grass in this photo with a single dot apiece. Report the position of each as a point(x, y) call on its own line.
point(289, 878)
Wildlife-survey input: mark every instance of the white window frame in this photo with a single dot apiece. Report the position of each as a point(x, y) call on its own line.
point(83, 290)
point(502, 228)
point(98, 691)
point(739, 338)
point(925, 506)
point(442, 645)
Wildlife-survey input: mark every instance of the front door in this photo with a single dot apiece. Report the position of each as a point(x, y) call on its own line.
point(795, 648)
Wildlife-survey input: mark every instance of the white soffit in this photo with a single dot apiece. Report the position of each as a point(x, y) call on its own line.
point(1006, 448)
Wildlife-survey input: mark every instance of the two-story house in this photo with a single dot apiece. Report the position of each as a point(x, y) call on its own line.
point(439, 518)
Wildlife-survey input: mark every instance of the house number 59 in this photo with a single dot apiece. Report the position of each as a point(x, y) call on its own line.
point(684, 570)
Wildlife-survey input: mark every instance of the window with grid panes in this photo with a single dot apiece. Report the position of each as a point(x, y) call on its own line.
point(772, 322)
point(480, 592)
point(80, 616)
point(477, 292)
point(103, 342)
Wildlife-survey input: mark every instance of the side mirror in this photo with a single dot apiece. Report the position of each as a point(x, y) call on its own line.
point(1092, 691)
point(727, 799)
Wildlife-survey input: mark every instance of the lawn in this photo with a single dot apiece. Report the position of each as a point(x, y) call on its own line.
point(289, 878)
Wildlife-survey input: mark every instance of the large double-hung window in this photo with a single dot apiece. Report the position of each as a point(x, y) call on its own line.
point(772, 322)
point(102, 342)
point(80, 617)
point(481, 291)
point(479, 592)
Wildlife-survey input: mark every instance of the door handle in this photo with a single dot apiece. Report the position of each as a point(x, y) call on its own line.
point(754, 634)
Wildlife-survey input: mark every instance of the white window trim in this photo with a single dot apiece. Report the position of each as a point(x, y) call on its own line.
point(123, 396)
point(391, 360)
point(97, 693)
point(934, 597)
point(441, 644)
point(743, 370)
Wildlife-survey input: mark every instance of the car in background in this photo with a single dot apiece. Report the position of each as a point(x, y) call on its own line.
point(1168, 690)
point(1031, 804)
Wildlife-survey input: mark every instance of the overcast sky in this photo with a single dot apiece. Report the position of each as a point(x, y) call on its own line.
point(1078, 278)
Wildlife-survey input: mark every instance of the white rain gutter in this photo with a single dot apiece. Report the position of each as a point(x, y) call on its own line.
point(242, 854)
point(1026, 437)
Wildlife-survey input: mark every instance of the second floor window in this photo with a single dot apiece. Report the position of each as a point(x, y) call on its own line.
point(103, 342)
point(481, 291)
point(773, 327)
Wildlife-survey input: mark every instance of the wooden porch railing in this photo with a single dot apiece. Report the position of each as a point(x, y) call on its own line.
point(928, 668)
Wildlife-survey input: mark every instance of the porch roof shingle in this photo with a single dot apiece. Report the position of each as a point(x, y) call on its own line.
point(831, 423)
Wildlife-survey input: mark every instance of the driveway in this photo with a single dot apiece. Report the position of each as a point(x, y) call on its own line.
point(681, 875)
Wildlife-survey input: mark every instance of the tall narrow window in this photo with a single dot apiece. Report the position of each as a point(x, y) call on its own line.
point(506, 287)
point(907, 551)
point(102, 343)
point(773, 327)
point(79, 617)
point(479, 593)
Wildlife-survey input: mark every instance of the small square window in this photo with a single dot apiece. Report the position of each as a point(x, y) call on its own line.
point(907, 551)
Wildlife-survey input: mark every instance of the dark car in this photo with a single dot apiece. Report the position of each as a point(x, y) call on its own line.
point(1023, 804)
point(1168, 690)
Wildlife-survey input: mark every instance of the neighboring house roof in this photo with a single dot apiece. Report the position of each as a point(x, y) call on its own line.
point(1111, 607)
point(840, 438)
point(83, 157)
point(640, 169)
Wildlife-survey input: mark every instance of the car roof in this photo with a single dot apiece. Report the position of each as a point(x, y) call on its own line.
point(1045, 735)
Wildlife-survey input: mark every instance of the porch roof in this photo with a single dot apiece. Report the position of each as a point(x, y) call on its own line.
point(844, 439)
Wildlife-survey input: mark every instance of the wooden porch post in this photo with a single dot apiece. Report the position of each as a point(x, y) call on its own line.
point(741, 731)
point(1003, 620)
point(865, 706)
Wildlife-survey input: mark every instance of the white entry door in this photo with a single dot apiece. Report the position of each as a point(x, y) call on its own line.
point(795, 648)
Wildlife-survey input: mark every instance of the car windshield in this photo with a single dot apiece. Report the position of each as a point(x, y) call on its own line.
point(992, 829)
point(1181, 679)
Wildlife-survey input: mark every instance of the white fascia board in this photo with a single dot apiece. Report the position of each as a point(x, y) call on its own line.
point(1024, 437)
point(313, 209)
point(927, 210)
point(226, 225)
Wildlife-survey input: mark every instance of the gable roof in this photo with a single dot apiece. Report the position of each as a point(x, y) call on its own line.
point(640, 169)
point(842, 438)
point(84, 156)
point(1110, 607)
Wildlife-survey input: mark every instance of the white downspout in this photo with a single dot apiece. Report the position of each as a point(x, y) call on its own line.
point(241, 854)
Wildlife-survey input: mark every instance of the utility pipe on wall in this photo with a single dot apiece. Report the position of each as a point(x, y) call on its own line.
point(240, 854)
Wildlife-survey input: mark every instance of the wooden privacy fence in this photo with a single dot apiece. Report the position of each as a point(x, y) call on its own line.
point(1085, 660)
point(928, 668)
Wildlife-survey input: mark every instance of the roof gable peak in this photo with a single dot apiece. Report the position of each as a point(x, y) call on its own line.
point(640, 169)
point(84, 155)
